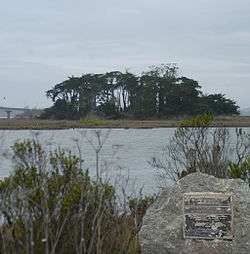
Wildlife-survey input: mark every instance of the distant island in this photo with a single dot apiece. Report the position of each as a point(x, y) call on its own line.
point(158, 93)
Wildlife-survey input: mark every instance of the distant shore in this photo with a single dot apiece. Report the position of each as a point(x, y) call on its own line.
point(34, 124)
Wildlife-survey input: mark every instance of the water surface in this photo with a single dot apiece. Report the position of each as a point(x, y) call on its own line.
point(125, 150)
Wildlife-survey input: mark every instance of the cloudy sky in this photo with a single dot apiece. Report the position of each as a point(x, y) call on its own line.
point(43, 42)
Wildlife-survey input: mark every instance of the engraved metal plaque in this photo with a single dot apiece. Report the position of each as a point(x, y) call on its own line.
point(208, 216)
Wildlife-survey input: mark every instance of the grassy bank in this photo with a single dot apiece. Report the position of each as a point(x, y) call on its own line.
point(18, 124)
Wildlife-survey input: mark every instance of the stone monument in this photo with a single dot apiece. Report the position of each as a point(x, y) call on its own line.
point(201, 214)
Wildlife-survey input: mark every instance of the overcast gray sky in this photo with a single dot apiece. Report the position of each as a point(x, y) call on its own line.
point(43, 42)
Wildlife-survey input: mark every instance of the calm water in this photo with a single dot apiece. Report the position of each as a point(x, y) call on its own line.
point(124, 150)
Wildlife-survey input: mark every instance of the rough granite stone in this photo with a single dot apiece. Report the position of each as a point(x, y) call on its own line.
point(162, 230)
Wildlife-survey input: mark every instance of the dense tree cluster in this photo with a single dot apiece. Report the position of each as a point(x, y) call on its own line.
point(157, 93)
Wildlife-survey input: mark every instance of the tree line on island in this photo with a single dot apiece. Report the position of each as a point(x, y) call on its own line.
point(157, 93)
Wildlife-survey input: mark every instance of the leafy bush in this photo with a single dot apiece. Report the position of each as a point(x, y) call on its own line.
point(95, 122)
point(201, 121)
point(50, 205)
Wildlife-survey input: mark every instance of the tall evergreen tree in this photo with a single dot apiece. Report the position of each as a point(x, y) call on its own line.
point(156, 93)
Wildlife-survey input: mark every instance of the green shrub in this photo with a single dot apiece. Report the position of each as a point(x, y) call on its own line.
point(95, 122)
point(50, 205)
point(203, 120)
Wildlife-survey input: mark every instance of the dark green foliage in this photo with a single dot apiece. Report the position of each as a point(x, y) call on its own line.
point(218, 104)
point(157, 93)
point(61, 110)
point(109, 110)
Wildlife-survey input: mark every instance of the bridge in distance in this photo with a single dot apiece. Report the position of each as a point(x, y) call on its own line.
point(8, 113)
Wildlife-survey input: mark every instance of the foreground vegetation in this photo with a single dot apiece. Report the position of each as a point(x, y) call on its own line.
point(214, 151)
point(36, 124)
point(51, 205)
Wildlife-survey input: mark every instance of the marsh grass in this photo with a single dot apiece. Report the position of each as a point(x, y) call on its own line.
point(37, 124)
point(95, 122)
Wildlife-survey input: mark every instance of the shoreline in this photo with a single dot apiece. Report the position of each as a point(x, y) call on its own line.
point(34, 124)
